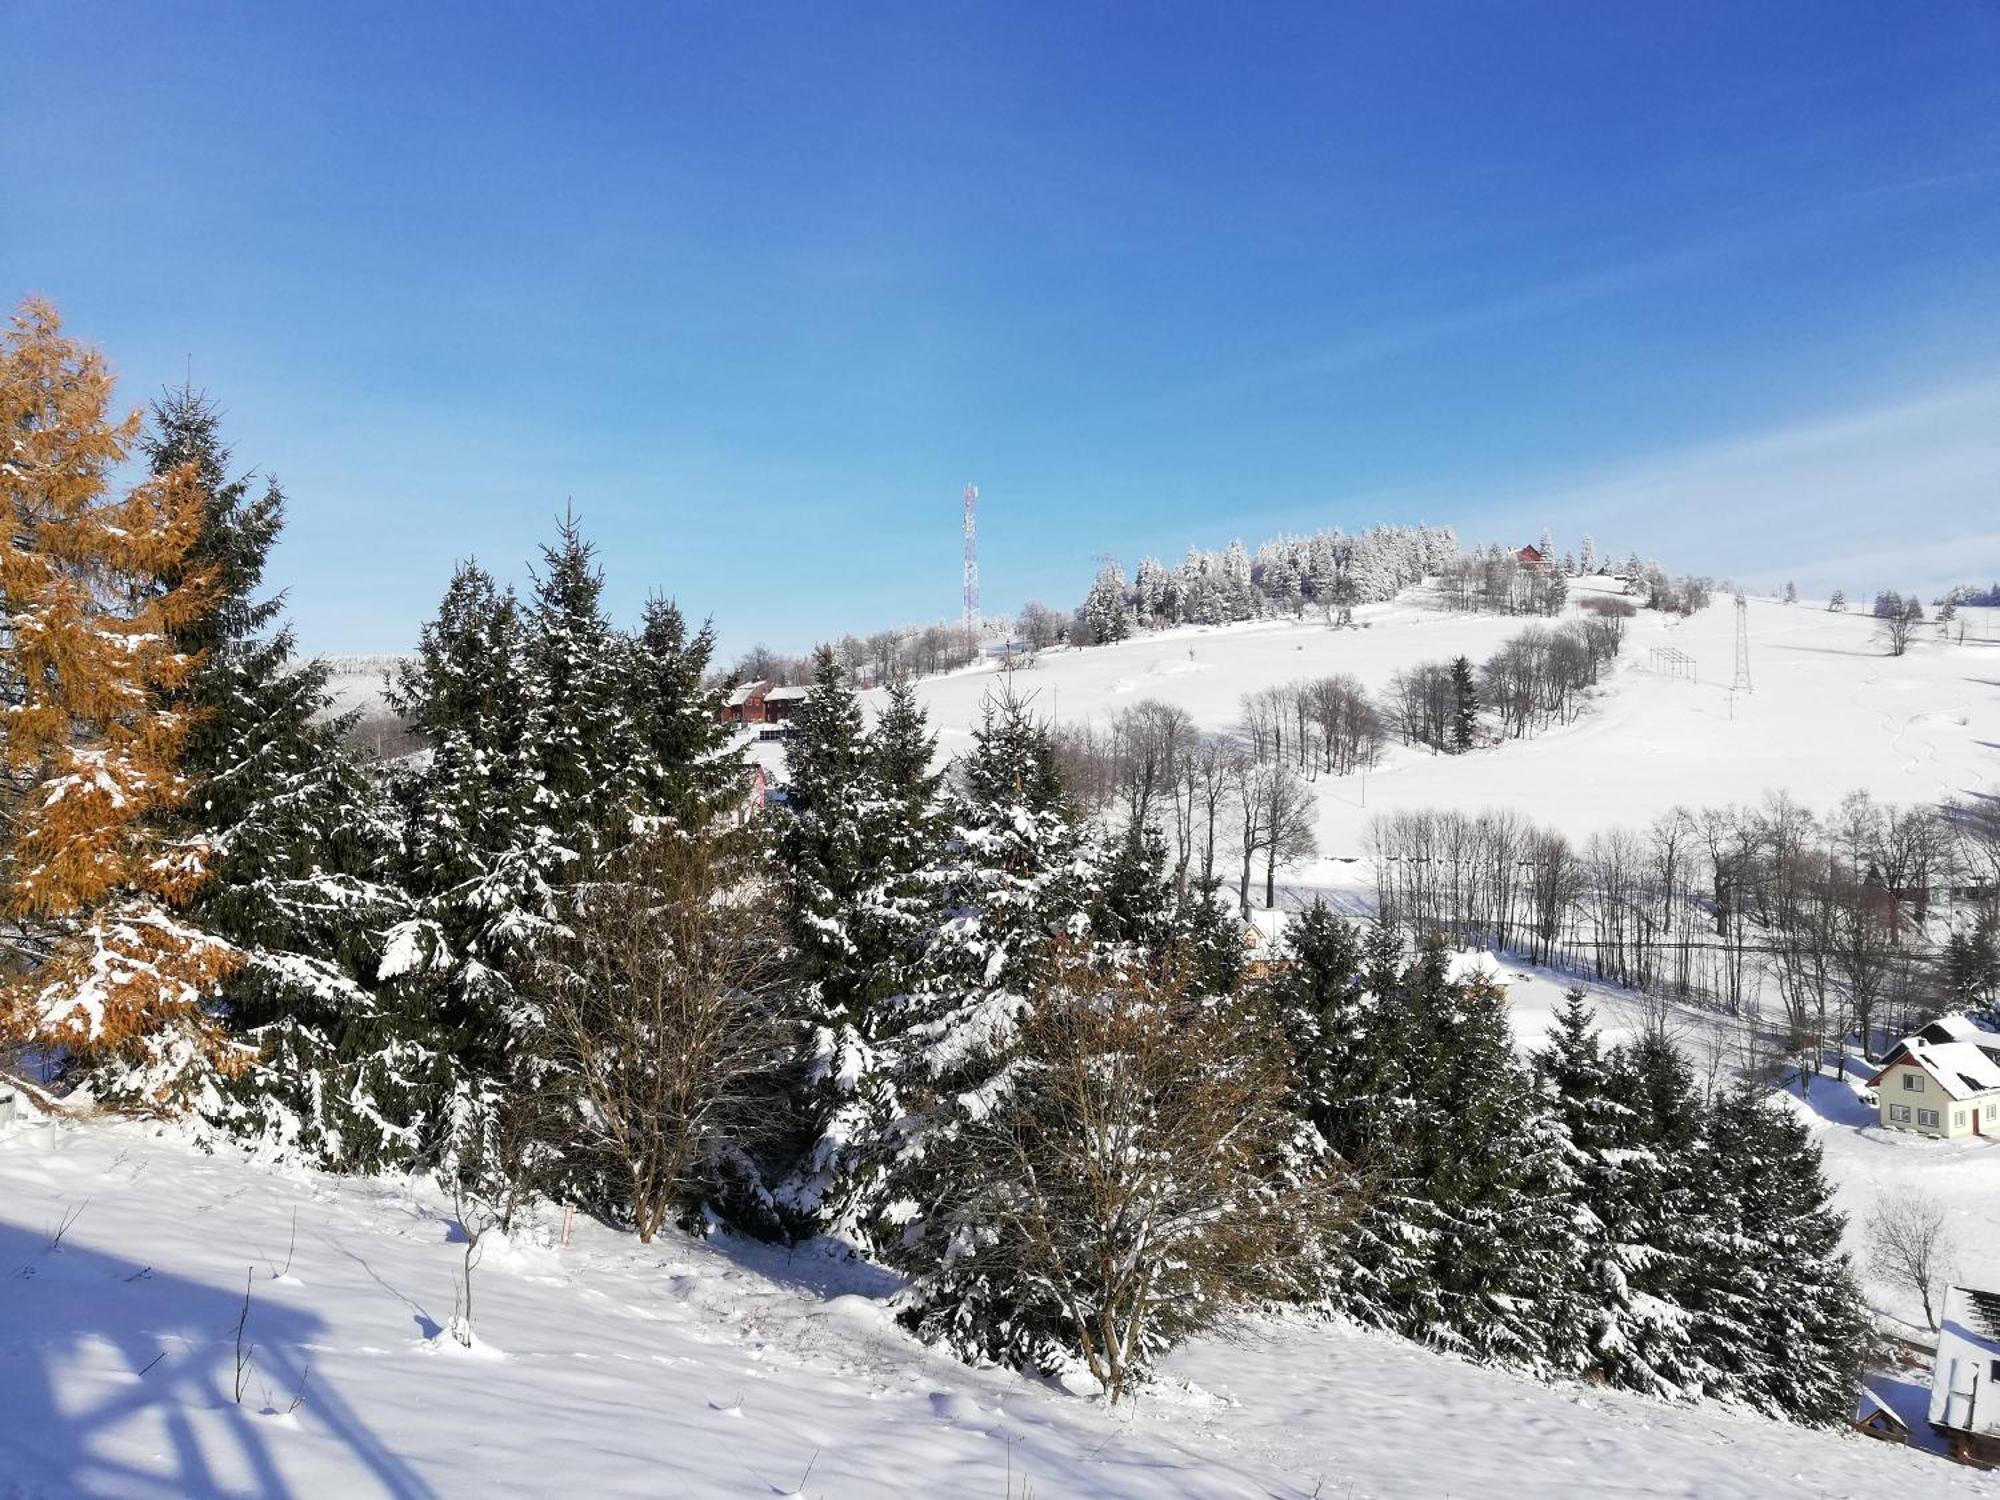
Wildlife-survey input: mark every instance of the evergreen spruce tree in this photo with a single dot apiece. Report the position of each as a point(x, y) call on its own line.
point(690, 774)
point(478, 847)
point(303, 845)
point(1779, 1318)
point(584, 684)
point(1132, 908)
point(1661, 1225)
point(1470, 1240)
point(1971, 966)
point(820, 840)
point(903, 827)
point(1320, 997)
point(1507, 1254)
point(1631, 1189)
point(856, 831)
point(1015, 876)
point(1464, 705)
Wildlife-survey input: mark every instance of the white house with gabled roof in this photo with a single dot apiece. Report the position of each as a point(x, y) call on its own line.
point(1942, 1081)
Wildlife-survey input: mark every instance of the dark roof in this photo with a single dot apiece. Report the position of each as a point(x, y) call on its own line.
point(1984, 1309)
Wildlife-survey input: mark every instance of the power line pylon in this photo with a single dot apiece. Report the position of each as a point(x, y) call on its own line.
point(971, 568)
point(1740, 683)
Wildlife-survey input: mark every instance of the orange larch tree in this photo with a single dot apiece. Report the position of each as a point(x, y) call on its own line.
point(91, 585)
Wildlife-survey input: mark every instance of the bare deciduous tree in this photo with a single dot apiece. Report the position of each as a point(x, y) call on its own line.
point(1149, 741)
point(490, 1166)
point(1910, 1243)
point(1895, 628)
point(1277, 815)
point(662, 1010)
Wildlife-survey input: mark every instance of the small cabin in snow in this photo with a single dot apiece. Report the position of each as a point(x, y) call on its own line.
point(1965, 1377)
point(745, 703)
point(1873, 1418)
point(1943, 1081)
point(1531, 557)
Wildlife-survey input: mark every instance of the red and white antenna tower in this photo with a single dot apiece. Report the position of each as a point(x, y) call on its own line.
point(971, 568)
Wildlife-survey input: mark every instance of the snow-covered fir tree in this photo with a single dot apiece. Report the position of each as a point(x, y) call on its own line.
point(1777, 1318)
point(304, 849)
point(1016, 874)
point(480, 853)
point(690, 773)
point(1631, 1124)
point(1149, 590)
point(1106, 609)
point(586, 742)
point(1464, 705)
point(1487, 1165)
point(854, 829)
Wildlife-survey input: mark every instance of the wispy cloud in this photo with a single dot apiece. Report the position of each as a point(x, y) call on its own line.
point(1906, 492)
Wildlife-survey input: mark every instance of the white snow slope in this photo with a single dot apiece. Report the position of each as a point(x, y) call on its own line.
point(694, 1370)
point(1828, 712)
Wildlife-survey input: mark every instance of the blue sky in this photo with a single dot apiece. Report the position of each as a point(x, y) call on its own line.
point(760, 287)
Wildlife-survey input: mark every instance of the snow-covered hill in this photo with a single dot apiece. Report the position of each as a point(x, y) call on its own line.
point(697, 1370)
point(1828, 713)
point(361, 682)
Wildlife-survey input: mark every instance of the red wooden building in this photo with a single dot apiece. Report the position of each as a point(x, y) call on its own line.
point(746, 703)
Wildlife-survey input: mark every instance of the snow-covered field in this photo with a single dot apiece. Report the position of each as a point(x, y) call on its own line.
point(1829, 712)
point(696, 1370)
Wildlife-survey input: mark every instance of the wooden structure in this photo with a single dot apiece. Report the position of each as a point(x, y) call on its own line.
point(745, 703)
point(1873, 1418)
point(780, 703)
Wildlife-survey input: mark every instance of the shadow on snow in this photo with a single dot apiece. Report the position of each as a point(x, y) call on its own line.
point(116, 1379)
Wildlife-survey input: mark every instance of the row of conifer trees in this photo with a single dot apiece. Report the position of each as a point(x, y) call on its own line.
point(935, 1013)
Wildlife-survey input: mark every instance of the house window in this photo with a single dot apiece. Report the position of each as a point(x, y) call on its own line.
point(1913, 1083)
point(1927, 1117)
point(1989, 1109)
point(1899, 1113)
point(1957, 1118)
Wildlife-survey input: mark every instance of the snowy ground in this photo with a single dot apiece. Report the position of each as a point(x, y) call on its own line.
point(693, 1370)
